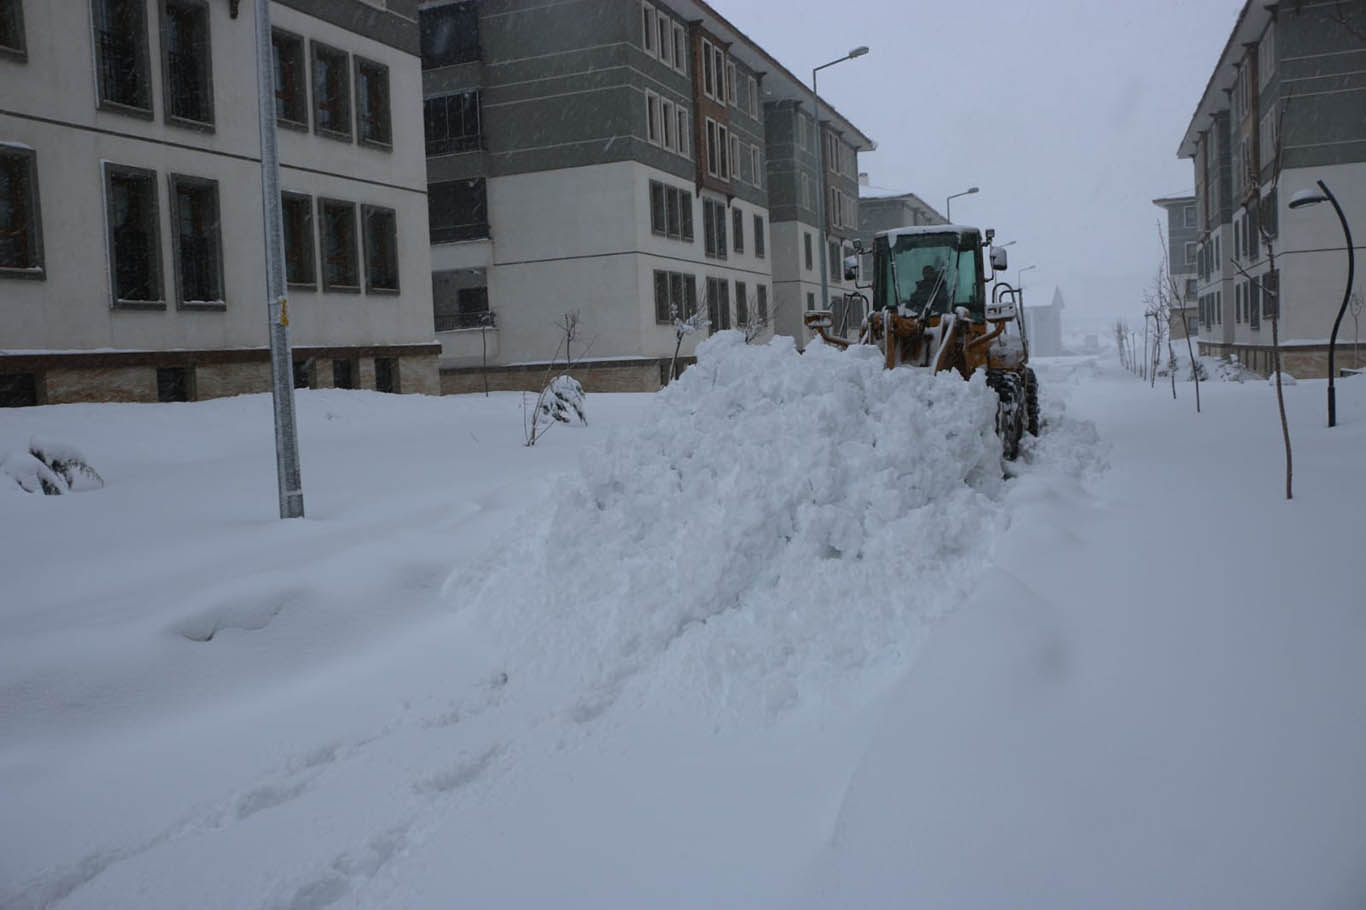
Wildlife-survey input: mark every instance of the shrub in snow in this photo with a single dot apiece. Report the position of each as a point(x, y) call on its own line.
point(563, 397)
point(52, 468)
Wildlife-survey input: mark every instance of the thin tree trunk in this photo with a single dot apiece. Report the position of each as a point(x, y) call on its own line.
point(1195, 368)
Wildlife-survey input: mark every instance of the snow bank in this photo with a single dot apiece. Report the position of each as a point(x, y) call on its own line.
point(778, 519)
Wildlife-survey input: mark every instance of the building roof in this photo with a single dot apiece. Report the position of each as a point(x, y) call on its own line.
point(779, 82)
point(1252, 21)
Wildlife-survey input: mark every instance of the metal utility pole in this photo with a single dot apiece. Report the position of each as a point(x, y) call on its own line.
point(277, 310)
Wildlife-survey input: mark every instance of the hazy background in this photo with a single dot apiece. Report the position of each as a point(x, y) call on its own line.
point(1067, 114)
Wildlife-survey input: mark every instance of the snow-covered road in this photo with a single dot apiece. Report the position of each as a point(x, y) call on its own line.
point(683, 674)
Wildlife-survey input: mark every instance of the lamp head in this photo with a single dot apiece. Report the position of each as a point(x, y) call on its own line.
point(858, 52)
point(972, 189)
point(1306, 198)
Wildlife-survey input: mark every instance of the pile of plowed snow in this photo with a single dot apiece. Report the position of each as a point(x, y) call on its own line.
point(778, 519)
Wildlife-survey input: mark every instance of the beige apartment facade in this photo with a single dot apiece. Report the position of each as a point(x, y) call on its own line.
point(132, 257)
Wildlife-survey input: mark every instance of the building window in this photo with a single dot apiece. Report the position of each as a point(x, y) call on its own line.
point(344, 374)
point(759, 236)
point(708, 70)
point(680, 49)
point(174, 384)
point(733, 161)
point(460, 300)
point(303, 374)
point(458, 210)
point(762, 292)
point(648, 25)
point(1190, 254)
point(340, 272)
point(806, 250)
point(197, 241)
point(718, 303)
point(12, 30)
point(18, 390)
point(186, 61)
point(670, 211)
point(121, 55)
point(653, 131)
point(21, 236)
point(741, 304)
point(291, 92)
point(666, 41)
point(730, 83)
point(670, 126)
point(134, 240)
point(805, 183)
point(684, 132)
point(752, 86)
point(1188, 216)
point(372, 103)
point(380, 235)
point(718, 150)
point(755, 166)
point(331, 93)
point(810, 301)
point(297, 213)
point(737, 229)
point(449, 34)
point(675, 296)
point(452, 123)
point(714, 228)
point(386, 375)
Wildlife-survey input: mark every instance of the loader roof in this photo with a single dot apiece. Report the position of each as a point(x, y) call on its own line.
point(892, 234)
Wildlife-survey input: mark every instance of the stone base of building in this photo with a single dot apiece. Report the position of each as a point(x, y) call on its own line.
point(1303, 361)
point(130, 376)
point(638, 374)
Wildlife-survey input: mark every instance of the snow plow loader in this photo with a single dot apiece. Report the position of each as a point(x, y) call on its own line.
point(930, 310)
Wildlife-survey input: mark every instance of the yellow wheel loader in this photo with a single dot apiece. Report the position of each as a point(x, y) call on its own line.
point(930, 311)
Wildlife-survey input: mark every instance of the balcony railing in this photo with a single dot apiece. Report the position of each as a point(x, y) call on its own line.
point(454, 232)
point(451, 322)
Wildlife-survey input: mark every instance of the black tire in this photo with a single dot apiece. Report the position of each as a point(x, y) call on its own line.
point(1031, 384)
point(1010, 411)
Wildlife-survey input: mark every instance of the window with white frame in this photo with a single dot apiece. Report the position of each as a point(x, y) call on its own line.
point(754, 166)
point(1266, 54)
point(1190, 254)
point(805, 183)
point(708, 69)
point(718, 150)
point(734, 157)
point(648, 19)
point(684, 132)
point(680, 49)
point(669, 121)
point(1188, 216)
point(666, 42)
point(730, 83)
point(653, 127)
point(753, 92)
point(719, 64)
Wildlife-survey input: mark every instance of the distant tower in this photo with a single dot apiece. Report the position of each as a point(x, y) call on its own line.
point(1045, 327)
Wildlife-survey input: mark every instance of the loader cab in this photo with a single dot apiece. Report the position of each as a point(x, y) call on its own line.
point(937, 267)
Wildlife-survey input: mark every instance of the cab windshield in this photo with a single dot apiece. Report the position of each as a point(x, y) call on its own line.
point(935, 270)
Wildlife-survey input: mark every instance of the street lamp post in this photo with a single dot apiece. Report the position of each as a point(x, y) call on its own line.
point(948, 203)
point(820, 183)
point(1300, 200)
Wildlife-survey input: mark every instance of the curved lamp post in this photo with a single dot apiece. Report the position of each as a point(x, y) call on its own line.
point(948, 203)
point(820, 156)
point(1306, 198)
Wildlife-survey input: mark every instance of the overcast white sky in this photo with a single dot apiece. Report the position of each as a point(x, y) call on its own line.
point(1067, 114)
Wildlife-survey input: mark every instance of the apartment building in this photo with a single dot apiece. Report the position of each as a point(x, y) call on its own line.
point(132, 260)
point(611, 159)
point(1282, 110)
point(1183, 242)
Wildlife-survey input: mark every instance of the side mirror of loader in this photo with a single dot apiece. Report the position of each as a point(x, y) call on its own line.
point(998, 259)
point(851, 268)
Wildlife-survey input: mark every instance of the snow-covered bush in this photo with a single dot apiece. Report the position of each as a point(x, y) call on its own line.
point(562, 397)
point(51, 468)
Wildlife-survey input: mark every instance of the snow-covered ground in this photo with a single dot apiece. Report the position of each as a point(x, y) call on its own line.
point(779, 636)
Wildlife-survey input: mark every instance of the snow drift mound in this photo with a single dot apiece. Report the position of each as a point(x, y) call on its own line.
point(778, 519)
